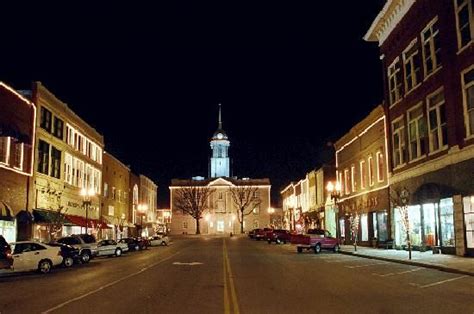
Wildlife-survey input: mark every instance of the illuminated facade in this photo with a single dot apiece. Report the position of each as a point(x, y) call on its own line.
point(17, 119)
point(220, 161)
point(221, 218)
point(68, 158)
point(148, 195)
point(428, 62)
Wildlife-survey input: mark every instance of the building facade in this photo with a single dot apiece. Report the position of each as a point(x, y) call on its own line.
point(68, 158)
point(222, 215)
point(220, 160)
point(363, 208)
point(17, 139)
point(115, 197)
point(427, 55)
point(134, 190)
point(148, 195)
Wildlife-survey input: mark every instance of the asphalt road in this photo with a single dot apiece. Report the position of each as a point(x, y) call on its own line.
point(237, 275)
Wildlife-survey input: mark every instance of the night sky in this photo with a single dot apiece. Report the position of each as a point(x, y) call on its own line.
point(290, 77)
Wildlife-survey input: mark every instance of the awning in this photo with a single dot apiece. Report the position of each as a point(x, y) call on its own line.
point(49, 216)
point(91, 223)
point(6, 213)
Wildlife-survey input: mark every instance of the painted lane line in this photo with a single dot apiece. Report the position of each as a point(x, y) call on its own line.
point(57, 307)
point(399, 273)
point(230, 278)
point(366, 265)
point(226, 293)
point(441, 282)
point(190, 264)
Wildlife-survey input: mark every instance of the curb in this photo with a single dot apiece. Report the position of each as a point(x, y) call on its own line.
point(408, 262)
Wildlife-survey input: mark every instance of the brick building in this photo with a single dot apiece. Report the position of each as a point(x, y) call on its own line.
point(17, 117)
point(427, 54)
point(361, 162)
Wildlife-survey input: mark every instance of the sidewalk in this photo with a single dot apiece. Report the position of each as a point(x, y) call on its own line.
point(448, 263)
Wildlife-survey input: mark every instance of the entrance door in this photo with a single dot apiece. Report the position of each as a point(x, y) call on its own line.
point(220, 226)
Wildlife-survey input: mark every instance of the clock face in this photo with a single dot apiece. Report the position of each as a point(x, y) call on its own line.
point(219, 135)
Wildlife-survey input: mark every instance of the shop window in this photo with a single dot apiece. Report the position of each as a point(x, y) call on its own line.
point(364, 225)
point(382, 232)
point(342, 227)
point(469, 221)
point(429, 224)
point(446, 214)
point(374, 225)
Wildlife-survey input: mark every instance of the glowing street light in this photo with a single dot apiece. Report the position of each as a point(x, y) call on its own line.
point(142, 209)
point(87, 195)
point(334, 190)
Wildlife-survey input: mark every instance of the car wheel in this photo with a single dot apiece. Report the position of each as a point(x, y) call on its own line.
point(278, 241)
point(284, 241)
point(163, 243)
point(68, 261)
point(299, 249)
point(337, 248)
point(118, 252)
point(85, 257)
point(317, 248)
point(137, 247)
point(45, 266)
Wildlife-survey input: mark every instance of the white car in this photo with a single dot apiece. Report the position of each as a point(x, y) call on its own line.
point(35, 256)
point(159, 240)
point(110, 247)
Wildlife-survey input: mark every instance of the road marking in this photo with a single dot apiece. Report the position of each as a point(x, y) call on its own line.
point(190, 264)
point(399, 273)
point(228, 275)
point(437, 283)
point(366, 265)
point(107, 285)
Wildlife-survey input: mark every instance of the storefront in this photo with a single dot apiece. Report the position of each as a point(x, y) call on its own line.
point(468, 215)
point(430, 224)
point(7, 223)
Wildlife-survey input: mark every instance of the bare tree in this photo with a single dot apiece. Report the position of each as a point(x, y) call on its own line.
point(354, 223)
point(399, 199)
point(194, 201)
point(245, 199)
point(57, 220)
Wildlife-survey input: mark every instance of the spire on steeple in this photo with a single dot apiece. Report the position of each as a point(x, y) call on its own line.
point(220, 119)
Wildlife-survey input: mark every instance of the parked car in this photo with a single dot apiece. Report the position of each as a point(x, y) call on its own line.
point(6, 259)
point(315, 239)
point(35, 256)
point(261, 233)
point(84, 242)
point(159, 239)
point(135, 244)
point(279, 236)
point(110, 247)
point(252, 232)
point(70, 254)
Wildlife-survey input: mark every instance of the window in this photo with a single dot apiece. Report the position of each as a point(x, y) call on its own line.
point(58, 128)
point(431, 47)
point(416, 132)
point(371, 170)
point(353, 181)
point(111, 210)
point(43, 157)
point(469, 220)
point(45, 122)
point(411, 62)
point(119, 196)
point(468, 99)
point(106, 189)
point(55, 162)
point(256, 194)
point(255, 224)
point(464, 22)
point(342, 227)
point(346, 181)
point(395, 81)
point(4, 149)
point(17, 155)
point(364, 226)
point(185, 225)
point(363, 175)
point(220, 195)
point(380, 167)
point(113, 192)
point(437, 127)
point(398, 131)
point(68, 168)
point(256, 210)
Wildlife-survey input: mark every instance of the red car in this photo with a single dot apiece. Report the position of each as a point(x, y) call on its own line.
point(279, 236)
point(261, 233)
point(315, 239)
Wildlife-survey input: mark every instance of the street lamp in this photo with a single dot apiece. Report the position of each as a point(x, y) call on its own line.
point(142, 209)
point(87, 195)
point(334, 190)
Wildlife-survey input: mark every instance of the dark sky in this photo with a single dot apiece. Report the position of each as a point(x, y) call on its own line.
point(290, 78)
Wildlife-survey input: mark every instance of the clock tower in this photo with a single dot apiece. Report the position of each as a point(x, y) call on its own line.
point(220, 162)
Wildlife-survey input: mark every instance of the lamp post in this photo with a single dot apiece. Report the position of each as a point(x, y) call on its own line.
point(334, 190)
point(142, 209)
point(87, 195)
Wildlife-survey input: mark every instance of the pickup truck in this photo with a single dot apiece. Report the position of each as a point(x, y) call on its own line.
point(315, 239)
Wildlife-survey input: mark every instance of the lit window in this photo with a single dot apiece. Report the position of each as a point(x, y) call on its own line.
point(363, 175)
point(395, 81)
point(437, 125)
point(431, 47)
point(468, 100)
point(256, 210)
point(106, 189)
point(416, 132)
point(353, 176)
point(411, 61)
point(398, 131)
point(464, 22)
point(371, 170)
point(346, 181)
point(4, 149)
point(380, 167)
point(18, 155)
